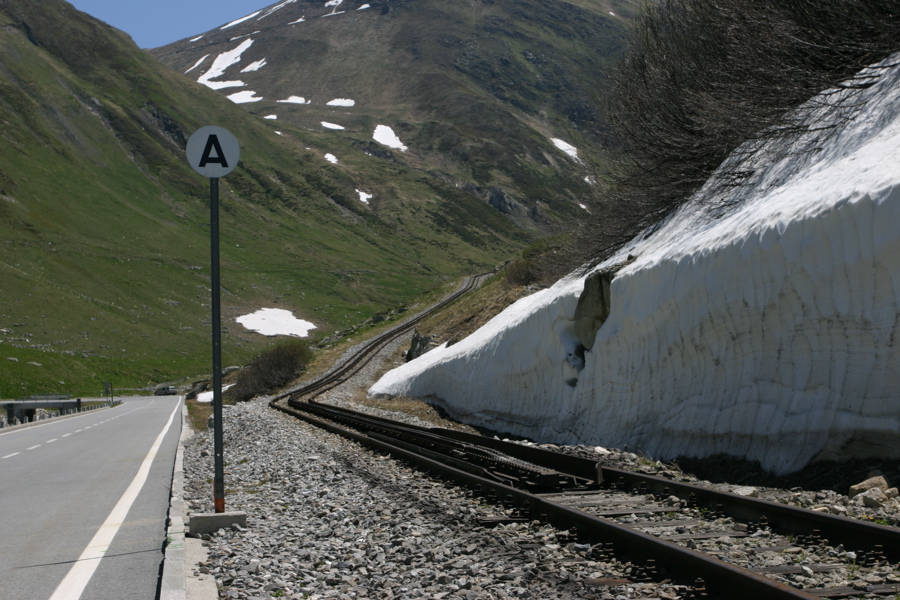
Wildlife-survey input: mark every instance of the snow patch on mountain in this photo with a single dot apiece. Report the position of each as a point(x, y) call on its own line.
point(276, 321)
point(341, 102)
point(276, 8)
point(245, 97)
point(765, 331)
point(241, 20)
point(331, 158)
point(566, 147)
point(254, 66)
point(364, 197)
point(328, 125)
point(221, 63)
point(295, 100)
point(386, 136)
point(197, 64)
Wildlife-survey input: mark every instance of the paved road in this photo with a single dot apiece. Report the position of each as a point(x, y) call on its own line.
point(83, 503)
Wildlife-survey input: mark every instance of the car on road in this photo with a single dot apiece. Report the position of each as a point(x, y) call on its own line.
point(165, 390)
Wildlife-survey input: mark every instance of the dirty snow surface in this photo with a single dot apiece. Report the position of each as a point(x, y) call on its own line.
point(769, 330)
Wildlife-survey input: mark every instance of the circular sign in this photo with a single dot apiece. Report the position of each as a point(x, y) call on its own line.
point(213, 151)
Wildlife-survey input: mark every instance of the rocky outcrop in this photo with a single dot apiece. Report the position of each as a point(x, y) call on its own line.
point(420, 345)
point(595, 303)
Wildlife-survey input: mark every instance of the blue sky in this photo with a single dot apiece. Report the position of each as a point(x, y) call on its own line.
point(153, 23)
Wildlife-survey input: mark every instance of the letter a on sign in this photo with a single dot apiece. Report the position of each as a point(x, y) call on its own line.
point(213, 151)
point(213, 144)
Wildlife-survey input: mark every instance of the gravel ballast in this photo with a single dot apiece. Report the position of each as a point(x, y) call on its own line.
point(328, 518)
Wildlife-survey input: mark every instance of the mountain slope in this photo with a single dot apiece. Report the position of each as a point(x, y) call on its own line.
point(476, 91)
point(104, 227)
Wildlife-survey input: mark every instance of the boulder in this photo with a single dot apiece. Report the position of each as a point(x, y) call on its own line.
point(873, 498)
point(420, 345)
point(877, 481)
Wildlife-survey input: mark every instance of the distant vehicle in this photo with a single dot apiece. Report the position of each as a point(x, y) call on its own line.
point(165, 390)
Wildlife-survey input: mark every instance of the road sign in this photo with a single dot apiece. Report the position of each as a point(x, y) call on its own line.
point(213, 151)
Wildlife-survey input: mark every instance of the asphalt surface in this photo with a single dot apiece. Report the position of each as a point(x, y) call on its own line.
point(64, 481)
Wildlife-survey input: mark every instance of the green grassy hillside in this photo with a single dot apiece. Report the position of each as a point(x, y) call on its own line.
point(104, 270)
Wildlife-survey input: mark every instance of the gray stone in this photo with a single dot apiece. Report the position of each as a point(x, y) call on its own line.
point(878, 481)
point(210, 522)
point(746, 491)
point(873, 498)
point(420, 345)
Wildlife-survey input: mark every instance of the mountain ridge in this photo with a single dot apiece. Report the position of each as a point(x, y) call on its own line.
point(477, 91)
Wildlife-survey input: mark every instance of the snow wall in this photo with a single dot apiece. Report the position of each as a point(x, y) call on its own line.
point(768, 331)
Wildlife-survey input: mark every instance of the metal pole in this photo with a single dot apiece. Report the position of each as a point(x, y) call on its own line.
point(219, 482)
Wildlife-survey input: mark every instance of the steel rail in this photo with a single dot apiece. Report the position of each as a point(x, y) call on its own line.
point(362, 356)
point(852, 533)
point(682, 564)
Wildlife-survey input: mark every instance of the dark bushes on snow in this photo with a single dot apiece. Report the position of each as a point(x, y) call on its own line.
point(702, 77)
point(270, 370)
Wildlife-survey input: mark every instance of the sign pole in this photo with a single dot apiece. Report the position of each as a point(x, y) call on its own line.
point(219, 481)
point(214, 152)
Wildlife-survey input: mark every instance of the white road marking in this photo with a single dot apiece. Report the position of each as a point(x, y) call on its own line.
point(11, 455)
point(67, 435)
point(51, 441)
point(81, 572)
point(33, 447)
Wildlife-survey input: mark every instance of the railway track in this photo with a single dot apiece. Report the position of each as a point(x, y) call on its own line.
point(668, 530)
point(370, 348)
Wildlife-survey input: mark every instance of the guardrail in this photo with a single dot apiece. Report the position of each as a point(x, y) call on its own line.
point(26, 411)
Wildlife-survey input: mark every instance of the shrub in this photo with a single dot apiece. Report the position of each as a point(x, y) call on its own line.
point(270, 370)
point(702, 77)
point(520, 272)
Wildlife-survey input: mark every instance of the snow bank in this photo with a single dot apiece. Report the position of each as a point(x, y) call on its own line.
point(342, 102)
point(276, 321)
point(207, 397)
point(766, 332)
